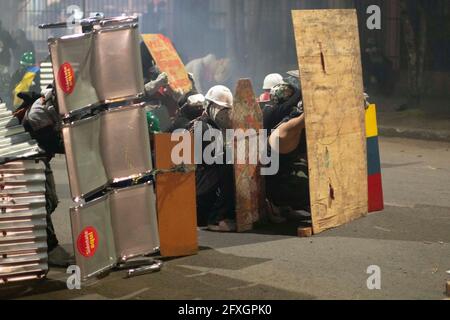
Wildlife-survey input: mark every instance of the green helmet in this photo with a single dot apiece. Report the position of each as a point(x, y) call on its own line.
point(281, 93)
point(153, 123)
point(28, 59)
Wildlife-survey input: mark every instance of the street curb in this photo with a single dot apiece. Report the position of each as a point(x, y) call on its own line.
point(420, 134)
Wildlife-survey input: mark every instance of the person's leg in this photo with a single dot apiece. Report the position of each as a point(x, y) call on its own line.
point(51, 205)
point(290, 190)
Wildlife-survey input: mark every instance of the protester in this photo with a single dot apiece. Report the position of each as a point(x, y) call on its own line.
point(23, 45)
point(269, 82)
point(288, 190)
point(6, 45)
point(39, 117)
point(283, 99)
point(25, 79)
point(215, 184)
point(191, 108)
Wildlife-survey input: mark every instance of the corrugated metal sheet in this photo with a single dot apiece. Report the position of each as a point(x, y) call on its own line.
point(23, 236)
point(15, 142)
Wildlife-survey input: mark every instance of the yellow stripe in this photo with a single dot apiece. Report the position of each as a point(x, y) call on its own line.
point(371, 122)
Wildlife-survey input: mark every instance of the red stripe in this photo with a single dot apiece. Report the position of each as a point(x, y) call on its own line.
point(376, 199)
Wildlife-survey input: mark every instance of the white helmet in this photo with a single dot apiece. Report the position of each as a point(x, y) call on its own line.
point(272, 80)
point(221, 96)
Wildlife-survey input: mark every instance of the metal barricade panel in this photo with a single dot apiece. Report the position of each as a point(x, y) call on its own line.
point(93, 238)
point(117, 68)
point(84, 163)
point(125, 142)
point(134, 220)
point(71, 60)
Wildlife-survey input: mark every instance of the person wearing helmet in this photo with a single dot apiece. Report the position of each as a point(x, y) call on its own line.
point(284, 98)
point(215, 185)
point(25, 79)
point(190, 108)
point(269, 82)
point(289, 188)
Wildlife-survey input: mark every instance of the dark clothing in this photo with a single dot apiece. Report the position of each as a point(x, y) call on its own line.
point(52, 201)
point(185, 115)
point(290, 186)
point(274, 115)
point(149, 67)
point(215, 186)
point(7, 44)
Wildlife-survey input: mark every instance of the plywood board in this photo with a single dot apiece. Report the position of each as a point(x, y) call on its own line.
point(168, 61)
point(331, 74)
point(176, 204)
point(248, 181)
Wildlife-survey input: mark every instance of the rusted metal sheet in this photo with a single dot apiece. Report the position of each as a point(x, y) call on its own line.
point(249, 189)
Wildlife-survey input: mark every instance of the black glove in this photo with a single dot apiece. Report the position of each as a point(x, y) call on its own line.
point(29, 98)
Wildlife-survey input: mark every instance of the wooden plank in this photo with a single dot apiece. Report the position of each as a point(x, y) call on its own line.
point(168, 61)
point(249, 184)
point(176, 204)
point(305, 232)
point(330, 68)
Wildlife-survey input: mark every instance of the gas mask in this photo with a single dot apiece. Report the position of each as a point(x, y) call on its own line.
point(220, 115)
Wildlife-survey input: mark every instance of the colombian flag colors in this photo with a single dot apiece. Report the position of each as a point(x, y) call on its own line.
point(376, 201)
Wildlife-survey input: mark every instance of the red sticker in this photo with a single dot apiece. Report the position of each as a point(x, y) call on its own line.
point(87, 242)
point(66, 78)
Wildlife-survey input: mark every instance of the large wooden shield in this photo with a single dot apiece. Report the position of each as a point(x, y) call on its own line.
point(249, 191)
point(330, 69)
point(168, 61)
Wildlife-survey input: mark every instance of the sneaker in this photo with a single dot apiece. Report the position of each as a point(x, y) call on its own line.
point(297, 215)
point(274, 213)
point(223, 226)
point(60, 258)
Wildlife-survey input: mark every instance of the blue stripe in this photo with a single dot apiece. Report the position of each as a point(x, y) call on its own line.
point(34, 69)
point(373, 156)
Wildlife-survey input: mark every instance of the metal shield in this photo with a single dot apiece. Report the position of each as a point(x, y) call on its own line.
point(84, 162)
point(134, 220)
point(117, 69)
point(125, 142)
point(93, 237)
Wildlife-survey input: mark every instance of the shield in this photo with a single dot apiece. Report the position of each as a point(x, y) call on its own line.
point(84, 162)
point(125, 142)
point(102, 66)
point(93, 237)
point(134, 220)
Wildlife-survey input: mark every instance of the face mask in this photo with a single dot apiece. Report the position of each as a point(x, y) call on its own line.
point(221, 116)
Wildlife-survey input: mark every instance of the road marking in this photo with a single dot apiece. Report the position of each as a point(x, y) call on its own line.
point(397, 205)
point(133, 295)
point(94, 296)
point(251, 285)
point(382, 229)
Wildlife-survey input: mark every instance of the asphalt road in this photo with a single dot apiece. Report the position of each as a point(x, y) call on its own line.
point(409, 242)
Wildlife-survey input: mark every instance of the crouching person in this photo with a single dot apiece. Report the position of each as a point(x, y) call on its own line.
point(215, 181)
point(289, 188)
point(40, 119)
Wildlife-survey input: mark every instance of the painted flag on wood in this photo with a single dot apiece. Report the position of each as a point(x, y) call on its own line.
point(168, 61)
